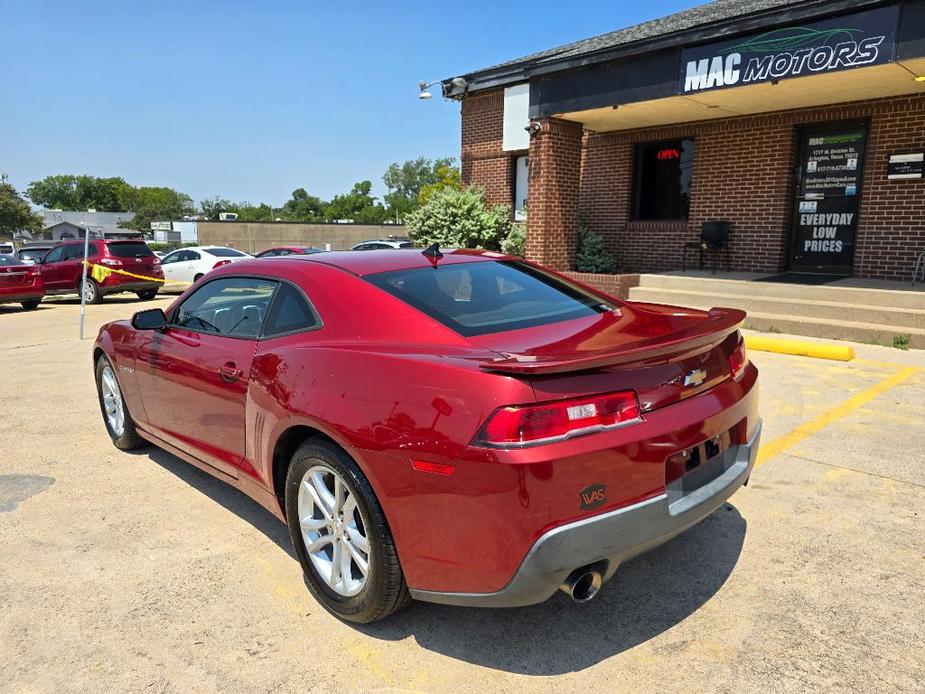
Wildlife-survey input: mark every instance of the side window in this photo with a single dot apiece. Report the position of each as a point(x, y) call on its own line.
point(289, 313)
point(269, 254)
point(74, 251)
point(171, 258)
point(232, 306)
point(55, 255)
point(192, 255)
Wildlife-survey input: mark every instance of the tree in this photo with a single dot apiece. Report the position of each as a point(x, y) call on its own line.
point(68, 192)
point(255, 213)
point(592, 255)
point(405, 181)
point(15, 213)
point(213, 207)
point(459, 219)
point(447, 177)
point(302, 207)
point(152, 204)
point(358, 205)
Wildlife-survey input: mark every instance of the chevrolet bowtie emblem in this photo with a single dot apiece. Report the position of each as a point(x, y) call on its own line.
point(694, 378)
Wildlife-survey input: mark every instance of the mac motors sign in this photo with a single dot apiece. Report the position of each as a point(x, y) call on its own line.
point(842, 43)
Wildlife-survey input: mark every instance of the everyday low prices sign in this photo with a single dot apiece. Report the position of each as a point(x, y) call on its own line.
point(840, 43)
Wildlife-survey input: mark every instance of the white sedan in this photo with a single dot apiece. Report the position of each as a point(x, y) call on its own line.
point(189, 264)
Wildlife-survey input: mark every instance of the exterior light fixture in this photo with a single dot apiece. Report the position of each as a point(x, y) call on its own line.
point(919, 78)
point(453, 89)
point(424, 86)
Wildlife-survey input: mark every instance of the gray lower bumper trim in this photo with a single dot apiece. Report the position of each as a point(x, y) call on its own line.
point(610, 537)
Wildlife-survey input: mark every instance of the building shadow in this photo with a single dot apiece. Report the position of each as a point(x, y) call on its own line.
point(226, 496)
point(647, 596)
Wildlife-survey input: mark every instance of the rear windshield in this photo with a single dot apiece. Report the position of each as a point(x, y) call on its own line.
point(129, 249)
point(224, 252)
point(32, 252)
point(489, 297)
point(9, 260)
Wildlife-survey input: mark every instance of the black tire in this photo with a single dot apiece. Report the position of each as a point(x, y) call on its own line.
point(385, 591)
point(31, 304)
point(128, 439)
point(147, 294)
point(197, 277)
point(93, 292)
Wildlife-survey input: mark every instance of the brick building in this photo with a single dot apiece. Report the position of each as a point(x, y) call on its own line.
point(801, 124)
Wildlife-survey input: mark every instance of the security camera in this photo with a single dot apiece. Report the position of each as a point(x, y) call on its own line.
point(533, 128)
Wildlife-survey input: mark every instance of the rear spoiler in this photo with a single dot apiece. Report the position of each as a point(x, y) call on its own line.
point(720, 323)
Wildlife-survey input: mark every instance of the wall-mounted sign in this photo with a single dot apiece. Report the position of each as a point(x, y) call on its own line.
point(905, 166)
point(840, 43)
point(668, 153)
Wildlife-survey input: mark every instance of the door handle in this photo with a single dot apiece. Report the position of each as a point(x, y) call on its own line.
point(230, 373)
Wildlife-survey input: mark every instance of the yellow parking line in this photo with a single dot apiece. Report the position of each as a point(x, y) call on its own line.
point(886, 364)
point(843, 409)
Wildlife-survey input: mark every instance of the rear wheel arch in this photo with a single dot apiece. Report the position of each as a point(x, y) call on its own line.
point(286, 446)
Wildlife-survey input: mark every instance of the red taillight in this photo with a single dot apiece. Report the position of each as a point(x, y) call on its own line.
point(554, 421)
point(220, 263)
point(738, 360)
point(111, 262)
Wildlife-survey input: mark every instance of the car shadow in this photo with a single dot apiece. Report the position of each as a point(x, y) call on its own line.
point(647, 596)
point(16, 308)
point(225, 495)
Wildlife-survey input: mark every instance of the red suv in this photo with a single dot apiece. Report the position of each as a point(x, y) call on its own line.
point(63, 272)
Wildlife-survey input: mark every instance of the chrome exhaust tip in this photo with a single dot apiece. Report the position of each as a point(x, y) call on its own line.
point(582, 584)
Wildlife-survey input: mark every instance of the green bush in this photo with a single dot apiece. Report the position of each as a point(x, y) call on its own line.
point(516, 241)
point(593, 255)
point(459, 219)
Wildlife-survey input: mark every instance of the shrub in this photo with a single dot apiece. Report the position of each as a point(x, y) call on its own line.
point(516, 241)
point(459, 219)
point(593, 255)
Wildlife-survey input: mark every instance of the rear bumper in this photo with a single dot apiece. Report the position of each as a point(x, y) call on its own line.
point(129, 286)
point(610, 538)
point(20, 295)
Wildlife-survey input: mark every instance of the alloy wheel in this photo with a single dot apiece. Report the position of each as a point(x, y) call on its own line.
point(112, 401)
point(334, 531)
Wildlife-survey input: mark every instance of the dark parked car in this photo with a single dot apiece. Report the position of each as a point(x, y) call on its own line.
point(20, 283)
point(288, 250)
point(465, 428)
point(62, 269)
point(383, 244)
point(32, 255)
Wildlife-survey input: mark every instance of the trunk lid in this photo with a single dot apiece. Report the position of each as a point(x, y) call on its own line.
point(17, 275)
point(663, 353)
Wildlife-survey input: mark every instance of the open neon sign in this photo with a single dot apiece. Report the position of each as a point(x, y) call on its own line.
point(668, 153)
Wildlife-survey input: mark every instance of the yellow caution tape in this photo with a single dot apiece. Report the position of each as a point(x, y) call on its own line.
point(101, 272)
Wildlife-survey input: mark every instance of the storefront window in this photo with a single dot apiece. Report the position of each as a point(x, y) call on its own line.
point(520, 188)
point(662, 184)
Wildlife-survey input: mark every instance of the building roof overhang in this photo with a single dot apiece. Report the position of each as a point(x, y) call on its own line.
point(668, 33)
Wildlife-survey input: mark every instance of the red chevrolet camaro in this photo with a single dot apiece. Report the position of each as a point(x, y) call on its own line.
point(463, 428)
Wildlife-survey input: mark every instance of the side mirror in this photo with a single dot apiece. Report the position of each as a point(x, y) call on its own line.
point(152, 319)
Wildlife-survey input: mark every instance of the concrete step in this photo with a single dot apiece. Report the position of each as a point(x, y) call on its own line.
point(837, 329)
point(835, 310)
point(905, 297)
point(812, 326)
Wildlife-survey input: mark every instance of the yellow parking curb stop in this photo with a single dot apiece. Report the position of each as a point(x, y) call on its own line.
point(818, 350)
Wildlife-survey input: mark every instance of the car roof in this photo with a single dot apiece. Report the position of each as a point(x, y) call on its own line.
point(385, 260)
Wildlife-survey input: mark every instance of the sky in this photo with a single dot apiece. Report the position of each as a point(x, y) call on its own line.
point(251, 100)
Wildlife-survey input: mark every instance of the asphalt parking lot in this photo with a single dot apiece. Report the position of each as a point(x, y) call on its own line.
point(138, 572)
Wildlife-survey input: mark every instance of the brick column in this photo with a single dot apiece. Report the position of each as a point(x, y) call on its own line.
point(552, 198)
